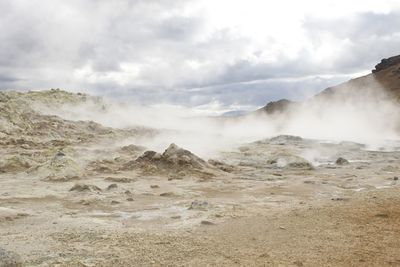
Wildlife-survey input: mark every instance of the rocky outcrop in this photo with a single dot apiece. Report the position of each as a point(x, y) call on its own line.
point(279, 106)
point(175, 162)
point(386, 63)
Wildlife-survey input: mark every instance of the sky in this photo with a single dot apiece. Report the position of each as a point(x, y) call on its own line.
point(216, 54)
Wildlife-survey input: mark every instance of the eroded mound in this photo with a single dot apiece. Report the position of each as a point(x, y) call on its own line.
point(174, 161)
point(174, 157)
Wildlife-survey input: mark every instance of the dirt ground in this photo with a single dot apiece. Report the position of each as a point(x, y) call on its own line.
point(76, 193)
point(363, 230)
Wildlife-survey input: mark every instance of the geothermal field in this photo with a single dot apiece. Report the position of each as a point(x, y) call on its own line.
point(88, 181)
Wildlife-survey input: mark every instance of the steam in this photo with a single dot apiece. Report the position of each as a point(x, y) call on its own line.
point(367, 118)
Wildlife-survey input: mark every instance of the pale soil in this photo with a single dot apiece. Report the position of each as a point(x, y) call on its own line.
point(276, 202)
point(259, 214)
point(361, 231)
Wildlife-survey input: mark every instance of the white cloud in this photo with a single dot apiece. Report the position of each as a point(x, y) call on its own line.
point(162, 48)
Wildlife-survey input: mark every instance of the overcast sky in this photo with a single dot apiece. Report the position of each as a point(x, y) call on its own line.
point(222, 53)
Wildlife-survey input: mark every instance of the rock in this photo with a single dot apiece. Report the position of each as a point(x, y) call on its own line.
point(167, 194)
point(340, 199)
point(154, 186)
point(177, 156)
point(342, 161)
point(9, 259)
point(289, 161)
point(199, 205)
point(129, 199)
point(59, 155)
point(174, 160)
point(207, 223)
point(395, 178)
point(386, 63)
point(85, 188)
point(304, 165)
point(112, 186)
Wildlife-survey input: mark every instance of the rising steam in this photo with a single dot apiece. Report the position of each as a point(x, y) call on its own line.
point(365, 115)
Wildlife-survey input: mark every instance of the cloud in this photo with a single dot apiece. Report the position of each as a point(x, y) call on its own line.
point(192, 51)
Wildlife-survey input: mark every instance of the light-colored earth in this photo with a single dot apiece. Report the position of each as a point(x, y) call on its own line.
point(82, 196)
point(255, 215)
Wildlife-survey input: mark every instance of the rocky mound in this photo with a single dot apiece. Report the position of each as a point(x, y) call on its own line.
point(18, 117)
point(173, 160)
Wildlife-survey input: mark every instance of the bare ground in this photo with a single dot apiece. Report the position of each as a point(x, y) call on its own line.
point(361, 231)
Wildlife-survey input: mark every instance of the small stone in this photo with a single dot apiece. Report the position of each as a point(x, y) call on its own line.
point(114, 202)
point(176, 217)
point(129, 199)
point(84, 187)
point(112, 186)
point(207, 223)
point(199, 205)
point(167, 194)
point(154, 186)
point(395, 178)
point(342, 161)
point(340, 199)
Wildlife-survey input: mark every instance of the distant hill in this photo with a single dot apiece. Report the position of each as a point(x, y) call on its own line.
point(384, 80)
